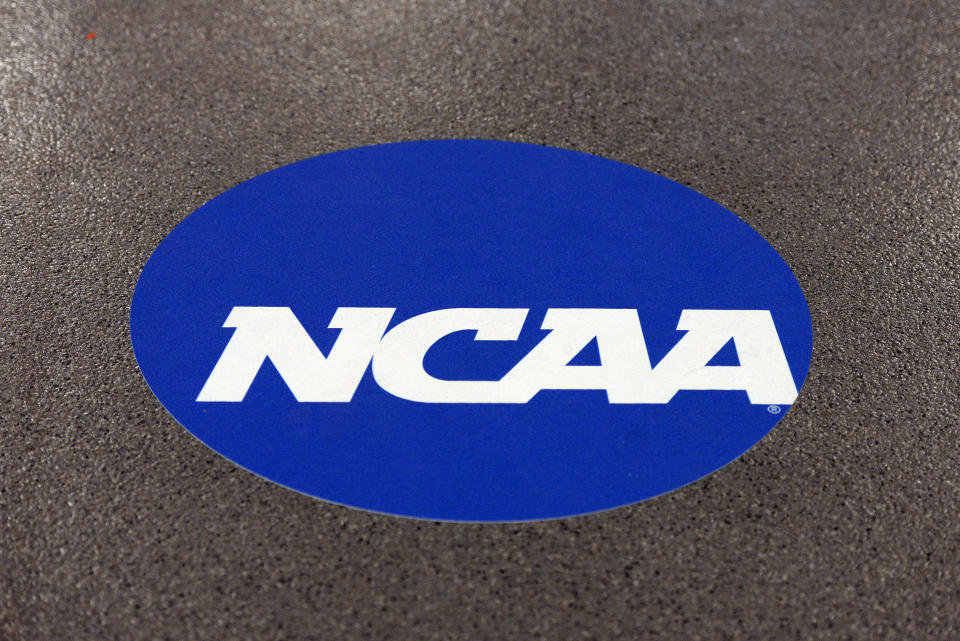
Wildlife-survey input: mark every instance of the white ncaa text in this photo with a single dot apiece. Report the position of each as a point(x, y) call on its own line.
point(396, 357)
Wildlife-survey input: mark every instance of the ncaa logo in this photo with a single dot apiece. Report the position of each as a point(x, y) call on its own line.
point(471, 330)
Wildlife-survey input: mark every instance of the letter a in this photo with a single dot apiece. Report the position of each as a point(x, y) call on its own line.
point(763, 371)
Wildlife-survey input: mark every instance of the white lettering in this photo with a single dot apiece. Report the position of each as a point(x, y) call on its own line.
point(624, 368)
point(275, 333)
point(397, 357)
point(398, 363)
point(763, 371)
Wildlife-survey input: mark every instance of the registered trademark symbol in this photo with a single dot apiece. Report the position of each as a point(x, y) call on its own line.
point(774, 409)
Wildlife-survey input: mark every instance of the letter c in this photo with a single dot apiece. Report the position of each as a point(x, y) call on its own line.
point(398, 361)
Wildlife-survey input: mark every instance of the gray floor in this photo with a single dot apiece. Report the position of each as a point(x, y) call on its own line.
point(834, 130)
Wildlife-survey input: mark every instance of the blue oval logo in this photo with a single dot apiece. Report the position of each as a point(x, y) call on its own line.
point(471, 330)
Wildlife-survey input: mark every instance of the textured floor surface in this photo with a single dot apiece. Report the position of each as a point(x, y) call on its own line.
point(834, 130)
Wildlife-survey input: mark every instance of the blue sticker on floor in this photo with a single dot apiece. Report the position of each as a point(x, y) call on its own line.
point(471, 330)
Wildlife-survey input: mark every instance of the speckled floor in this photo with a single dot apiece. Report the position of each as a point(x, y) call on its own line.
point(833, 129)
